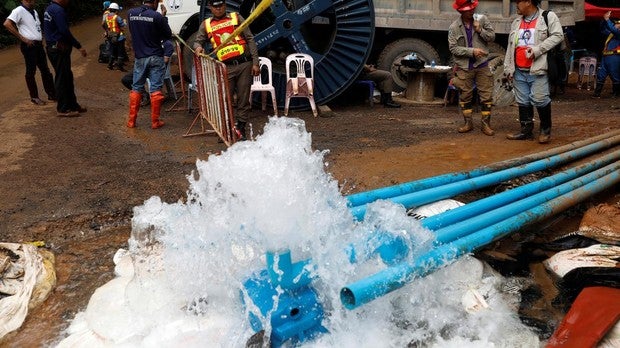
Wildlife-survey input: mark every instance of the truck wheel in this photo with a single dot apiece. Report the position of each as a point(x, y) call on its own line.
point(337, 34)
point(390, 58)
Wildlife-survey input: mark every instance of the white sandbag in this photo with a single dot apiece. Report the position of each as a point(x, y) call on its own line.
point(13, 309)
point(598, 255)
point(434, 208)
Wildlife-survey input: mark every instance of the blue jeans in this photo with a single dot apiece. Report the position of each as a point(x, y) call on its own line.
point(610, 66)
point(531, 89)
point(153, 68)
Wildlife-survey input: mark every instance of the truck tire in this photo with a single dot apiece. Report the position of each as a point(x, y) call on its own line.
point(337, 34)
point(390, 57)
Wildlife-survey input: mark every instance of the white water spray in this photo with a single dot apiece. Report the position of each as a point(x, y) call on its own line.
point(179, 283)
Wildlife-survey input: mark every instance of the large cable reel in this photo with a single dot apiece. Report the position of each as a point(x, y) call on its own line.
point(338, 34)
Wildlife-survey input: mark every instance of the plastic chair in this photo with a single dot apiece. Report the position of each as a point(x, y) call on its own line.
point(259, 86)
point(298, 84)
point(587, 67)
point(371, 90)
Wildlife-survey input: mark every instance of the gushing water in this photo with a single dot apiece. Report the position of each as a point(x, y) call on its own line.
point(178, 285)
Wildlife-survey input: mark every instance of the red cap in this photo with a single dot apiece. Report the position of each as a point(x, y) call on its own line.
point(464, 5)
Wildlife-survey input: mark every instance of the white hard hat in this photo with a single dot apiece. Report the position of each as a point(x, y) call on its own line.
point(114, 6)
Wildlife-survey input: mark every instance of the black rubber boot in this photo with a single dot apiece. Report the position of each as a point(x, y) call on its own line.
point(387, 101)
point(544, 113)
point(526, 119)
point(615, 90)
point(597, 90)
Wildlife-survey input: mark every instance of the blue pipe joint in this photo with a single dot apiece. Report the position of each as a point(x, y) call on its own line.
point(283, 294)
point(282, 271)
point(392, 249)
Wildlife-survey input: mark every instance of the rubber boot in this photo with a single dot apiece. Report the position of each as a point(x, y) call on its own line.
point(615, 90)
point(240, 128)
point(157, 99)
point(544, 113)
point(134, 106)
point(387, 101)
point(486, 119)
point(526, 119)
point(597, 90)
point(466, 110)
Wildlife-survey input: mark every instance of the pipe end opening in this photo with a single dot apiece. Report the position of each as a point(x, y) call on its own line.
point(347, 298)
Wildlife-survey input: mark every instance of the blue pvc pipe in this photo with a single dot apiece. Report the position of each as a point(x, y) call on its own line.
point(476, 223)
point(393, 278)
point(422, 197)
point(466, 211)
point(362, 198)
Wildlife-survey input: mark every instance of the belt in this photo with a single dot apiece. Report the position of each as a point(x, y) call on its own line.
point(237, 60)
point(609, 53)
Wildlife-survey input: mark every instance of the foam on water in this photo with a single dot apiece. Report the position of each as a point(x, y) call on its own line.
point(189, 259)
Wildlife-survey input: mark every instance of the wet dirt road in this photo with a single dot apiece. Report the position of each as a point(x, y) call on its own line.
point(72, 182)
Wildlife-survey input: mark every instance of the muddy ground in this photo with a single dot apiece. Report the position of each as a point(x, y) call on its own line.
point(72, 182)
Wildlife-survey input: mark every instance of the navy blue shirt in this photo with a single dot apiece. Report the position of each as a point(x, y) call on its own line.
point(148, 29)
point(56, 27)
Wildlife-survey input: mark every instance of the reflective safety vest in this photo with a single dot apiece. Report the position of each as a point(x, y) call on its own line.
point(609, 51)
point(219, 30)
point(111, 23)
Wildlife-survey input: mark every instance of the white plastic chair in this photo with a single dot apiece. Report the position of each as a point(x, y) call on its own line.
point(259, 86)
point(299, 85)
point(587, 68)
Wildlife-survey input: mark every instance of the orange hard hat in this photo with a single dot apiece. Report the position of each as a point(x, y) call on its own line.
point(464, 5)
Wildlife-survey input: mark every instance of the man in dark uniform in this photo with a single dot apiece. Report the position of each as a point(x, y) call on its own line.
point(240, 55)
point(59, 44)
point(148, 30)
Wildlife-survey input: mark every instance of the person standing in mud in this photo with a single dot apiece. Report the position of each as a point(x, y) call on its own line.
point(240, 55)
point(610, 62)
point(24, 24)
point(468, 39)
point(525, 64)
point(59, 44)
point(149, 29)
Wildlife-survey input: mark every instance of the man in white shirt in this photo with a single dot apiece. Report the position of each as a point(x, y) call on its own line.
point(23, 22)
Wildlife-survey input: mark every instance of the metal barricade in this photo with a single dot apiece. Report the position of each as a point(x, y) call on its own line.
point(181, 83)
point(214, 99)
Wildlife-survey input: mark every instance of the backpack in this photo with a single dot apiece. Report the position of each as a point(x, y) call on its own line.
point(557, 71)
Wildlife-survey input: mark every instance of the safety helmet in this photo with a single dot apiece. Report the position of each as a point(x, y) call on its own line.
point(106, 4)
point(464, 5)
point(114, 6)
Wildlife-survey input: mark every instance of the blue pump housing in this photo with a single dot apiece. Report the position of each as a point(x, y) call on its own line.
point(298, 314)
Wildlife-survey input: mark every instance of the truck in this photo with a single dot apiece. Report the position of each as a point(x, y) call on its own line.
point(343, 35)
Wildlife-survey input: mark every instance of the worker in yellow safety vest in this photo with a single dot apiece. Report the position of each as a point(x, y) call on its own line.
point(240, 55)
point(113, 25)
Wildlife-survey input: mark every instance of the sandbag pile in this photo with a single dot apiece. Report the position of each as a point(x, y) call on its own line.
point(589, 279)
point(27, 276)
